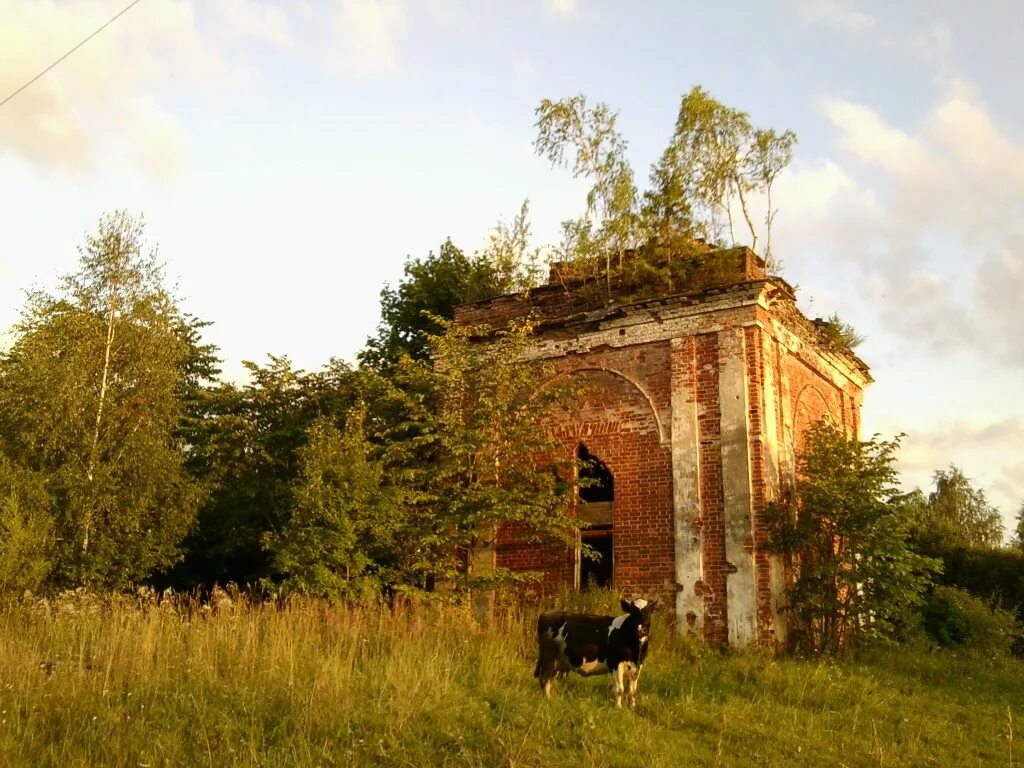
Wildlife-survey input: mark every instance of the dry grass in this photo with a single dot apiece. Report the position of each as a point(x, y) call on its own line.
point(85, 682)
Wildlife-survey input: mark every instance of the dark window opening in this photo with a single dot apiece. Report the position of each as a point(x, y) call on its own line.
point(597, 573)
point(600, 486)
point(596, 508)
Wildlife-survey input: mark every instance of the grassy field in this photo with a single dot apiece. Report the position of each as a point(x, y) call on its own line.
point(91, 683)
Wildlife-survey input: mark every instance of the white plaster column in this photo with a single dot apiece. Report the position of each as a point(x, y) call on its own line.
point(770, 422)
point(686, 486)
point(741, 596)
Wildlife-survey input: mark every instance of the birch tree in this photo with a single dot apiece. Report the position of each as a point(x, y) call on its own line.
point(89, 397)
point(572, 133)
point(715, 159)
point(958, 514)
point(716, 167)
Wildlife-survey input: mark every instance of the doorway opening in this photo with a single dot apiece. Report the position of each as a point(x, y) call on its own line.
point(596, 508)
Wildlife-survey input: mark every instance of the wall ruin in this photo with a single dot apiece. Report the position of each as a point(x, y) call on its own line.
point(696, 404)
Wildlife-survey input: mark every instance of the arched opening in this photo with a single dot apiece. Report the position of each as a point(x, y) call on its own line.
point(596, 508)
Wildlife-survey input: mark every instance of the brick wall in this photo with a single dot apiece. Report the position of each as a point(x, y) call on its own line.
point(712, 492)
point(619, 424)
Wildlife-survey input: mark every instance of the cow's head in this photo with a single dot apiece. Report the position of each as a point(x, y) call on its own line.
point(640, 610)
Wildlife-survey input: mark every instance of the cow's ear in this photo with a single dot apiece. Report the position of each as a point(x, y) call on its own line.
point(649, 608)
point(626, 605)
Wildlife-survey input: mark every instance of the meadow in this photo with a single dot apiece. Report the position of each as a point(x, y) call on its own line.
point(86, 681)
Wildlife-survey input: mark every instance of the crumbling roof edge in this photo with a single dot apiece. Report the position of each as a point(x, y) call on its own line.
point(547, 288)
point(614, 308)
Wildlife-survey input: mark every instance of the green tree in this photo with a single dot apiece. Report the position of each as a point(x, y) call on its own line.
point(90, 398)
point(431, 289)
point(431, 461)
point(476, 453)
point(953, 617)
point(343, 538)
point(250, 439)
point(846, 534)
point(513, 264)
point(958, 515)
point(717, 156)
point(200, 371)
point(1018, 532)
point(770, 154)
point(571, 131)
point(839, 332)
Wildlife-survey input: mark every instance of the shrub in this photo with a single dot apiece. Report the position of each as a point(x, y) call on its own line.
point(26, 531)
point(994, 575)
point(954, 618)
point(845, 535)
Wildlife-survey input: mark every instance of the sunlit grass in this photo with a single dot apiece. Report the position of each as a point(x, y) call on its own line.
point(91, 683)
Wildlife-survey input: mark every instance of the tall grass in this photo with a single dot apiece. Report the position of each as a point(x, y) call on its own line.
point(87, 682)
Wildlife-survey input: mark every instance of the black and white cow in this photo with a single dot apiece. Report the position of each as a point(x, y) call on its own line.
point(595, 645)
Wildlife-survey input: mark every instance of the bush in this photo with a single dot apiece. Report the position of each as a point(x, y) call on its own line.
point(954, 618)
point(992, 574)
point(845, 535)
point(26, 531)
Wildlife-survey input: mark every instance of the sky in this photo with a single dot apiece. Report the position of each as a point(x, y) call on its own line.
point(288, 157)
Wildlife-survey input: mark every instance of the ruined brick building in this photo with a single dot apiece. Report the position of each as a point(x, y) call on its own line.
point(695, 405)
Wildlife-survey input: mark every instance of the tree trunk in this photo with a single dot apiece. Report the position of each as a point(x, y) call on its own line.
point(728, 213)
point(746, 215)
point(95, 446)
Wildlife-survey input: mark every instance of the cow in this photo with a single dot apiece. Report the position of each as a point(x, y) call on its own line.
point(595, 645)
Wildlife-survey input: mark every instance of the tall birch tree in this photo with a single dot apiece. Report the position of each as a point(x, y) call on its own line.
point(89, 397)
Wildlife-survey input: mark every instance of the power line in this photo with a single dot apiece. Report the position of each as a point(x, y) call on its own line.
point(58, 61)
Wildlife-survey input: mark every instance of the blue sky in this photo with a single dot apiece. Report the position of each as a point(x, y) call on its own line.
point(288, 156)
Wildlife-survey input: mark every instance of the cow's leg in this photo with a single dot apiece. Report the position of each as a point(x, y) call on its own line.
point(547, 666)
point(618, 683)
point(545, 687)
point(631, 683)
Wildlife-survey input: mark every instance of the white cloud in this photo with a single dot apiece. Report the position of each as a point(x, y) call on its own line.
point(933, 46)
point(1009, 484)
point(835, 14)
point(369, 32)
point(157, 139)
point(42, 127)
point(931, 221)
point(106, 93)
point(256, 21)
point(981, 450)
point(925, 225)
point(963, 127)
point(113, 91)
point(865, 135)
point(561, 9)
point(809, 190)
point(951, 442)
point(447, 14)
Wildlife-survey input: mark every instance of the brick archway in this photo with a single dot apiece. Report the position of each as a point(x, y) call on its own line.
point(811, 405)
point(618, 422)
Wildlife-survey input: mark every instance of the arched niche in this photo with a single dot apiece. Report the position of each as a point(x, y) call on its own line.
point(811, 406)
point(630, 394)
